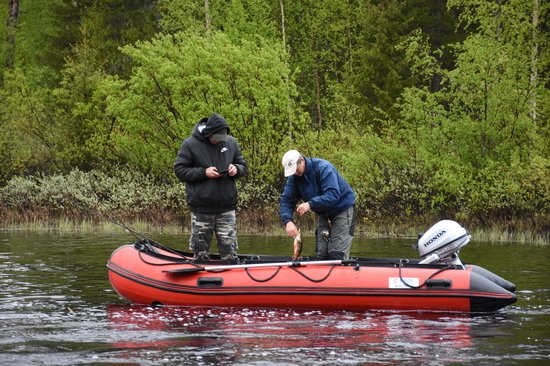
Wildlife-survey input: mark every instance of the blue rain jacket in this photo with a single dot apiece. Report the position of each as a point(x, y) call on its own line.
point(327, 192)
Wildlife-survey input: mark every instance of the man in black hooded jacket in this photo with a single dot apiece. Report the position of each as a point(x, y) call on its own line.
point(208, 162)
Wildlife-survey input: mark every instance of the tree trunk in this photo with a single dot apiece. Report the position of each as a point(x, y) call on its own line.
point(289, 119)
point(534, 61)
point(13, 14)
point(283, 23)
point(207, 16)
point(318, 98)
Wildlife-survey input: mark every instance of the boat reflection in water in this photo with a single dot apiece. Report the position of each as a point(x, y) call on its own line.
point(239, 331)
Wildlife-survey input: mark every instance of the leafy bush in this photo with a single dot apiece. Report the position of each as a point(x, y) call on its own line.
point(82, 195)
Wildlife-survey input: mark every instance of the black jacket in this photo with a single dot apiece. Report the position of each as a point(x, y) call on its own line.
point(196, 154)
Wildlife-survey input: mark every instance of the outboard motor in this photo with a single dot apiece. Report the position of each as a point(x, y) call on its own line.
point(442, 242)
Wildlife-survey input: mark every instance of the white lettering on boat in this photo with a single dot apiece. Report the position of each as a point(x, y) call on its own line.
point(398, 282)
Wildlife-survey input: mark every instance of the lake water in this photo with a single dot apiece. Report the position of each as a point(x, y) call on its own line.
point(58, 308)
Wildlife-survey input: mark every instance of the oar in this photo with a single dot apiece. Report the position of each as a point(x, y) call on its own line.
point(258, 265)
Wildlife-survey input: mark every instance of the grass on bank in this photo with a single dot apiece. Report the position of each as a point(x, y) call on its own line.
point(495, 234)
point(90, 201)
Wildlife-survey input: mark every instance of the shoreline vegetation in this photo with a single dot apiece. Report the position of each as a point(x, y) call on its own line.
point(96, 202)
point(248, 224)
point(496, 234)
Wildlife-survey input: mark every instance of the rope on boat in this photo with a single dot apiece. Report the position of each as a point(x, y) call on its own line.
point(312, 279)
point(403, 261)
point(293, 268)
point(264, 280)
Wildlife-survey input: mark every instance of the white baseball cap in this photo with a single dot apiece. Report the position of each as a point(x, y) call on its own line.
point(290, 160)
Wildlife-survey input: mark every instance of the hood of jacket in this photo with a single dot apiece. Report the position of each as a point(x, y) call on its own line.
point(212, 124)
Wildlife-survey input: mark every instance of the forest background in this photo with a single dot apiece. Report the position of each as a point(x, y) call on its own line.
point(431, 109)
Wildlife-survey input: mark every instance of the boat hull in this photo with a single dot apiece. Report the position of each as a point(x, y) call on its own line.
point(145, 278)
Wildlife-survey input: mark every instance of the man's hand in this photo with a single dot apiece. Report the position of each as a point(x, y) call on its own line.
point(212, 172)
point(303, 208)
point(291, 229)
point(232, 170)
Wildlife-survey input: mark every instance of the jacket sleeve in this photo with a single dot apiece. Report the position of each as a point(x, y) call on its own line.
point(185, 168)
point(288, 201)
point(329, 187)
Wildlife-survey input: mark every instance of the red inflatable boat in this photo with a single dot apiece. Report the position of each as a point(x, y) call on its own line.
point(148, 273)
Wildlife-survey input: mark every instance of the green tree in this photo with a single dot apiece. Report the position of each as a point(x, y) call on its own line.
point(481, 119)
point(236, 18)
point(27, 141)
point(111, 24)
point(179, 79)
point(79, 108)
point(40, 34)
point(184, 16)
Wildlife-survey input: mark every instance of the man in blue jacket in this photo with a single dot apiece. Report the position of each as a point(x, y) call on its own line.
point(320, 187)
point(209, 162)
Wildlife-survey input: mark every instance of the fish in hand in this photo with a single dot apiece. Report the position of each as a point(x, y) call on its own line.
point(297, 246)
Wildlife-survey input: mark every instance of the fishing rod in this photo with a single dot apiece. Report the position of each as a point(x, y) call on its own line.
point(117, 221)
point(143, 240)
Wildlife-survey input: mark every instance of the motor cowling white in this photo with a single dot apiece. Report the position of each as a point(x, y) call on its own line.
point(442, 242)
